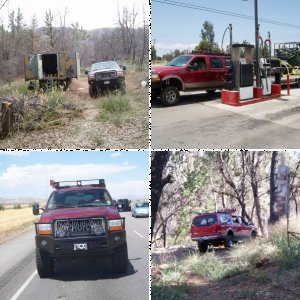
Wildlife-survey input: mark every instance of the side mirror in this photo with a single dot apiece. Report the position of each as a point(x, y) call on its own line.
point(124, 68)
point(36, 209)
point(86, 72)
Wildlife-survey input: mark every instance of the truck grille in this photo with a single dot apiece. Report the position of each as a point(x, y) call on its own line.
point(106, 75)
point(79, 227)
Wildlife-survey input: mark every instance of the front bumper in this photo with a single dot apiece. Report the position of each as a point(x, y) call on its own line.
point(63, 248)
point(109, 83)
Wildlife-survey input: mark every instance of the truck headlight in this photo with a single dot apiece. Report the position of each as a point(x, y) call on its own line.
point(120, 73)
point(155, 77)
point(91, 77)
point(98, 229)
point(44, 229)
point(115, 225)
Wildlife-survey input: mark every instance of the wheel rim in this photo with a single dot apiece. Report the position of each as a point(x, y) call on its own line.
point(171, 97)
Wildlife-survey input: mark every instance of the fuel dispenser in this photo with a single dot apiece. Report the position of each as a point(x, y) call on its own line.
point(241, 70)
point(265, 66)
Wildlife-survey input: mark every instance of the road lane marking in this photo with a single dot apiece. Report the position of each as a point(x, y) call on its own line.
point(139, 235)
point(23, 287)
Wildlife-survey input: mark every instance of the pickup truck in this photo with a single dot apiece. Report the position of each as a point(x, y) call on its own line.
point(220, 228)
point(192, 72)
point(79, 221)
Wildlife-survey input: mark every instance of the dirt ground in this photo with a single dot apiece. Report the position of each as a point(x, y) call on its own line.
point(88, 131)
point(265, 282)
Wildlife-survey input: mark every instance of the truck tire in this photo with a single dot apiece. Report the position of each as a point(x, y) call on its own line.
point(202, 246)
point(44, 263)
point(229, 241)
point(120, 260)
point(154, 95)
point(210, 92)
point(169, 95)
point(93, 92)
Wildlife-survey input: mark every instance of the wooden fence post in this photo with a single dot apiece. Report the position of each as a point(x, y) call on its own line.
point(6, 119)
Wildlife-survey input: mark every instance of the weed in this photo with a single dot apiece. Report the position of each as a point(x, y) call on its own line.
point(260, 276)
point(113, 107)
point(173, 274)
point(161, 292)
point(15, 89)
point(213, 268)
point(247, 293)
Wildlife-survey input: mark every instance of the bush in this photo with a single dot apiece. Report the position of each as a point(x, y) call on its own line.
point(212, 267)
point(2, 207)
point(17, 206)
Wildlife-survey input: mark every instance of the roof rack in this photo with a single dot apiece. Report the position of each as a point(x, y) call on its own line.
point(77, 183)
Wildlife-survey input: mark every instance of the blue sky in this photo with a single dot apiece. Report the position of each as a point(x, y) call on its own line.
point(26, 174)
point(177, 27)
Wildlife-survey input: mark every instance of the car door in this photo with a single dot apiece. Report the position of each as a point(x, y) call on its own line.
point(197, 77)
point(217, 72)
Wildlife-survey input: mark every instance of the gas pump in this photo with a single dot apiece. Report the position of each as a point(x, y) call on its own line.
point(242, 70)
point(265, 66)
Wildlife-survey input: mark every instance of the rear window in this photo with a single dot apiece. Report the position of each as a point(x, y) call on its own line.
point(205, 220)
point(216, 63)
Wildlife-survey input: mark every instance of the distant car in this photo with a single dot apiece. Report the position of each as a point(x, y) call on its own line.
point(106, 75)
point(124, 205)
point(140, 209)
point(220, 228)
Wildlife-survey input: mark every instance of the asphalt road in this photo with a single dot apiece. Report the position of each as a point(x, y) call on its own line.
point(78, 280)
point(198, 122)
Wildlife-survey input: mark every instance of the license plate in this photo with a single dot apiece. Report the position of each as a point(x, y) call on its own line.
point(120, 205)
point(107, 82)
point(80, 246)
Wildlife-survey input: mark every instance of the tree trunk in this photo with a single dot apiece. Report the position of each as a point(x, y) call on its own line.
point(159, 161)
point(273, 216)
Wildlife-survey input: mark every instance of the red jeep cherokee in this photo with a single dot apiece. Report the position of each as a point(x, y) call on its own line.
point(78, 222)
point(220, 228)
point(193, 72)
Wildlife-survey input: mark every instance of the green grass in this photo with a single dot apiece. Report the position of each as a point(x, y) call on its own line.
point(18, 88)
point(115, 108)
point(161, 292)
point(213, 268)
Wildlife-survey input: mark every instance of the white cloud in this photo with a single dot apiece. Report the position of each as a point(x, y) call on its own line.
point(116, 154)
point(131, 189)
point(162, 48)
point(33, 180)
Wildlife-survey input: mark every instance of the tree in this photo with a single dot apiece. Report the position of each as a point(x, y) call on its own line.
point(153, 52)
point(207, 33)
point(158, 181)
point(273, 216)
point(49, 29)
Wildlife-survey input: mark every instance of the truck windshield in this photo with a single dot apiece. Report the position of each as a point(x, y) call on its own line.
point(179, 61)
point(79, 198)
point(105, 65)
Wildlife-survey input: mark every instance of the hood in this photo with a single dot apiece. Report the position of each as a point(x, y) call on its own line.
point(165, 69)
point(103, 70)
point(109, 212)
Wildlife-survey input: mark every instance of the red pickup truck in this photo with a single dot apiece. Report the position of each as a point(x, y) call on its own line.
point(220, 228)
point(79, 221)
point(192, 72)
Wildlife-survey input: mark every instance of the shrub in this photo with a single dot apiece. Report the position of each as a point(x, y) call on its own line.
point(17, 206)
point(2, 207)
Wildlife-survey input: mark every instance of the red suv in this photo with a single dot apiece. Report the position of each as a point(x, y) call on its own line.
point(220, 228)
point(193, 72)
point(79, 222)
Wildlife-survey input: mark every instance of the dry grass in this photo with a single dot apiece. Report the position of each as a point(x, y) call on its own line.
point(13, 221)
point(85, 129)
